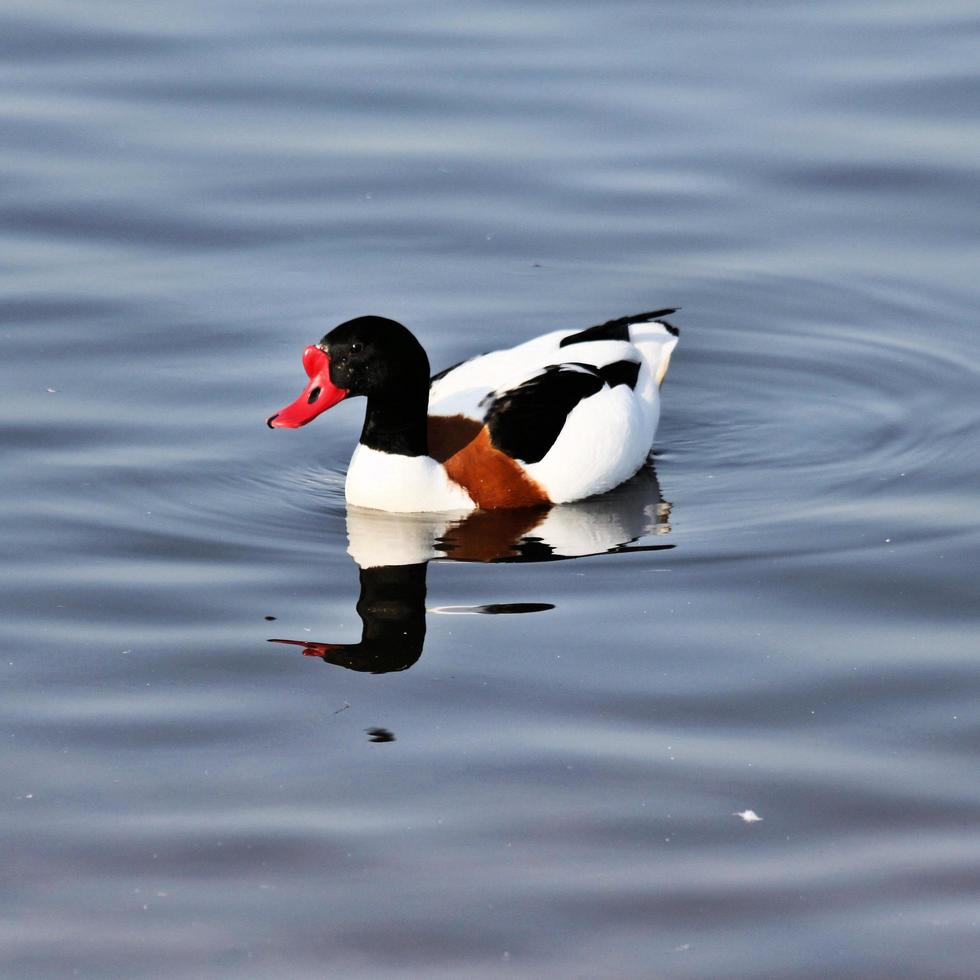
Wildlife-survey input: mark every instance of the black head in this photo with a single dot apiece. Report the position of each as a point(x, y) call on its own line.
point(376, 357)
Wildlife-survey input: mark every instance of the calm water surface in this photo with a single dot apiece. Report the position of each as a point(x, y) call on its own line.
point(786, 620)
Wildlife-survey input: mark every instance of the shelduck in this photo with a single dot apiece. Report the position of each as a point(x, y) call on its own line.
point(562, 417)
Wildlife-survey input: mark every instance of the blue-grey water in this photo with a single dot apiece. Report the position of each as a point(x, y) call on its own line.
point(192, 192)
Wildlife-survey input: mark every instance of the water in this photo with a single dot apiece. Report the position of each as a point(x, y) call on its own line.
point(191, 194)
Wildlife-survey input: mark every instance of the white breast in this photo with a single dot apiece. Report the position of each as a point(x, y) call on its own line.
point(408, 484)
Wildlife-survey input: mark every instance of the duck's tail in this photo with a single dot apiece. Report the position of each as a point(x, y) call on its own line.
point(650, 332)
point(655, 339)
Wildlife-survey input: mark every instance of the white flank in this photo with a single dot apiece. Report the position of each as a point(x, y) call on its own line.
point(605, 440)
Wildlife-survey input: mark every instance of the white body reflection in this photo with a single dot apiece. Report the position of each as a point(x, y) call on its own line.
point(614, 522)
point(393, 551)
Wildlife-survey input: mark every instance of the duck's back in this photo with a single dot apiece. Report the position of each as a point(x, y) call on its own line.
point(573, 412)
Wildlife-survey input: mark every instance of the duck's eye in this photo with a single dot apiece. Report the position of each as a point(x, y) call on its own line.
point(355, 348)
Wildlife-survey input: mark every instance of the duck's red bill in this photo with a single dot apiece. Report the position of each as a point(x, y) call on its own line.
point(311, 648)
point(319, 395)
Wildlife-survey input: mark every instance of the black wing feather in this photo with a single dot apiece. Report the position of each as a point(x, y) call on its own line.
point(525, 421)
point(620, 373)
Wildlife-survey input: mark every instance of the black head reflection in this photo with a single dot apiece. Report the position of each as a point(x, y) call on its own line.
point(392, 611)
point(393, 552)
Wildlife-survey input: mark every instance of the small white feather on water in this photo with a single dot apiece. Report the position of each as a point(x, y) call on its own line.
point(748, 816)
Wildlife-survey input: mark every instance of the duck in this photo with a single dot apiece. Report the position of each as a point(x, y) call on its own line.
point(562, 417)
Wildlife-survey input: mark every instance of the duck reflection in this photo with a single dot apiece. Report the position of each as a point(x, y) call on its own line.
point(393, 552)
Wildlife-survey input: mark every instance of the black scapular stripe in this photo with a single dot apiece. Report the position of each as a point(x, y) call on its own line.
point(525, 422)
point(620, 373)
point(618, 329)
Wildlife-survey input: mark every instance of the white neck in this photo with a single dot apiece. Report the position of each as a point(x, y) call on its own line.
point(410, 484)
